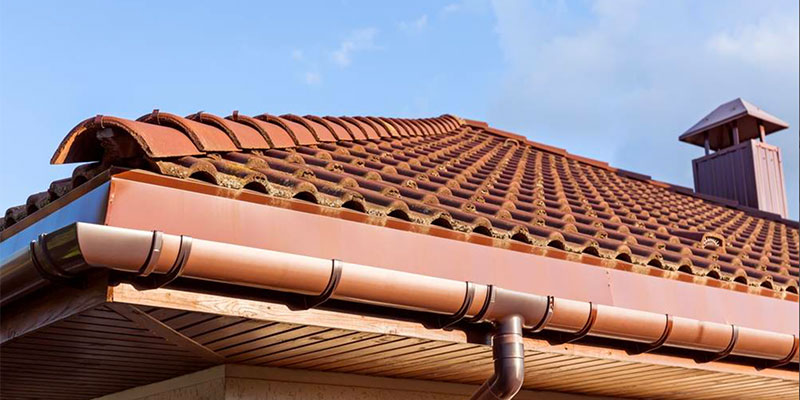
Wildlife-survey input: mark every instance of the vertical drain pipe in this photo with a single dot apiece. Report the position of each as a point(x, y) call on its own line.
point(509, 362)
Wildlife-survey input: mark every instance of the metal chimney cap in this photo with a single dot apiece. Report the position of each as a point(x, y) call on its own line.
point(746, 115)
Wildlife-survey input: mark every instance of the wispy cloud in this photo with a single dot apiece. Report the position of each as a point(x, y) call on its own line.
point(357, 40)
point(313, 78)
point(466, 6)
point(451, 8)
point(772, 42)
point(297, 55)
point(416, 26)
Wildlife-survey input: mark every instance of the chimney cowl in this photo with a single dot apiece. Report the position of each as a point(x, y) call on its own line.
point(743, 168)
point(738, 114)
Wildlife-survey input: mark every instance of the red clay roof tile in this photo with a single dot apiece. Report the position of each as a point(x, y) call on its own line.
point(82, 142)
point(205, 137)
point(321, 132)
point(356, 131)
point(367, 128)
point(299, 134)
point(400, 130)
point(379, 128)
point(339, 132)
point(302, 133)
point(389, 128)
point(275, 135)
point(242, 135)
point(461, 175)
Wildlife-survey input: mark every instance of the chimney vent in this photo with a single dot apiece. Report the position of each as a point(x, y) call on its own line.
point(738, 164)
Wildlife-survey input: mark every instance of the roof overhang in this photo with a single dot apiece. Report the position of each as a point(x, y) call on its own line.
point(144, 201)
point(82, 347)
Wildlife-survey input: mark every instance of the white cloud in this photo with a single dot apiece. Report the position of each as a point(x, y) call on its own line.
point(415, 26)
point(357, 40)
point(772, 42)
point(297, 55)
point(451, 8)
point(466, 6)
point(313, 78)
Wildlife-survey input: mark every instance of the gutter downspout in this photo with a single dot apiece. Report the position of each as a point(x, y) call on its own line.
point(509, 362)
point(153, 259)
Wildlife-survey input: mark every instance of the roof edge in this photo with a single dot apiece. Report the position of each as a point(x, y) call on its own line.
point(84, 245)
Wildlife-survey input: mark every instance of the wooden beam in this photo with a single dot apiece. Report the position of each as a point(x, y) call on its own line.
point(164, 331)
point(49, 306)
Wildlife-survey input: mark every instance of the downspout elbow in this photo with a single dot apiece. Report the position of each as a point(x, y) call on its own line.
point(509, 362)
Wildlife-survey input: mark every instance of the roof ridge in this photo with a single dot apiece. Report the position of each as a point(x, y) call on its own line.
point(164, 135)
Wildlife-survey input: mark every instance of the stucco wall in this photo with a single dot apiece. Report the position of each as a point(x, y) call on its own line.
point(251, 389)
point(236, 382)
point(210, 390)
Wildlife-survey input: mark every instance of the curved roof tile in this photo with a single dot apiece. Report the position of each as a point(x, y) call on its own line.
point(367, 128)
point(277, 136)
point(338, 130)
point(242, 135)
point(82, 143)
point(205, 137)
point(321, 130)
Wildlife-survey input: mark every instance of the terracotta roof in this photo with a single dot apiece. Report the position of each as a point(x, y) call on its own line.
point(446, 171)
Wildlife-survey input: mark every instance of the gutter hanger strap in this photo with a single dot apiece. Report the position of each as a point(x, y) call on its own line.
point(569, 338)
point(446, 322)
point(547, 316)
point(153, 255)
point(330, 288)
point(658, 343)
point(785, 360)
point(727, 351)
point(490, 295)
point(161, 280)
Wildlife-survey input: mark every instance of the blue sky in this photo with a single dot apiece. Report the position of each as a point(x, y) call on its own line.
point(615, 80)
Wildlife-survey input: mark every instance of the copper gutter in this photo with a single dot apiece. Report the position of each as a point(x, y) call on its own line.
point(151, 259)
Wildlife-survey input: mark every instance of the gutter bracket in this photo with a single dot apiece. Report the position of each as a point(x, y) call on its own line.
point(449, 321)
point(48, 270)
point(546, 318)
point(490, 295)
point(639, 349)
point(572, 337)
point(724, 353)
point(154, 254)
point(149, 281)
point(308, 302)
point(783, 361)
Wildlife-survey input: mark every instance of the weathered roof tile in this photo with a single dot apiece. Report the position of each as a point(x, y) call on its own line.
point(83, 144)
point(205, 137)
point(242, 135)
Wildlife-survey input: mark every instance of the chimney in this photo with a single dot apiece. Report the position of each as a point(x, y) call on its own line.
point(738, 164)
